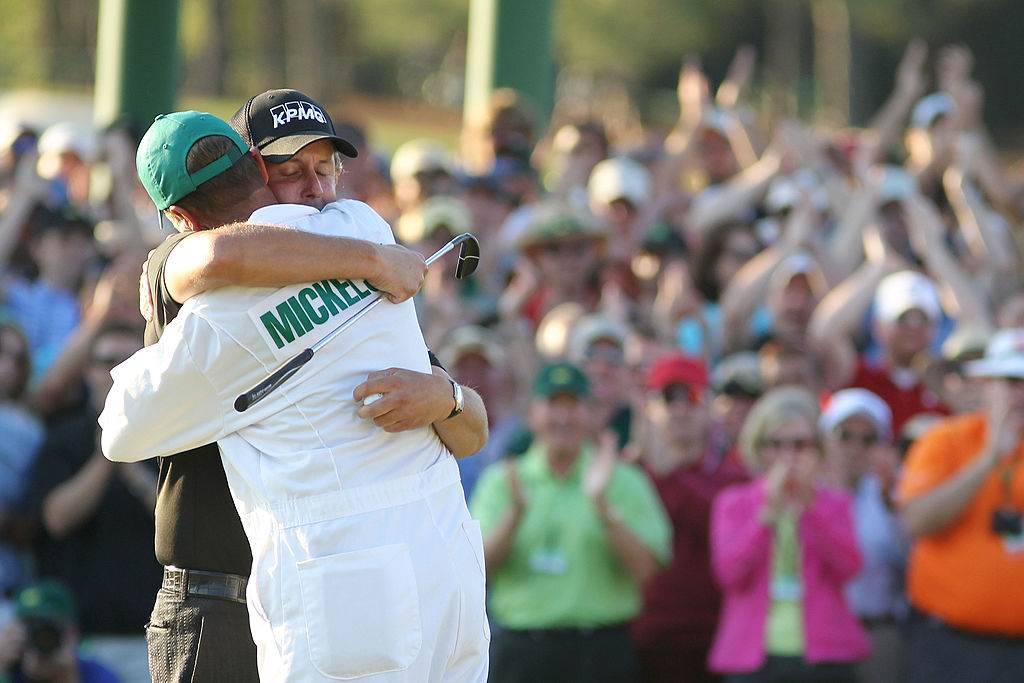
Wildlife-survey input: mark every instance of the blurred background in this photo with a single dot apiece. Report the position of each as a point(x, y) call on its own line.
point(748, 325)
point(830, 60)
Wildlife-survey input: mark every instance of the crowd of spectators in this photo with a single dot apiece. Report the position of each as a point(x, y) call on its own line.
point(754, 386)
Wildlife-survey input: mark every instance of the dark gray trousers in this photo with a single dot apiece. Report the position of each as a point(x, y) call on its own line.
point(939, 653)
point(603, 655)
point(200, 639)
point(796, 670)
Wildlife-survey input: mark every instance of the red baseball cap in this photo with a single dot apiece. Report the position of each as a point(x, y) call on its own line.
point(677, 369)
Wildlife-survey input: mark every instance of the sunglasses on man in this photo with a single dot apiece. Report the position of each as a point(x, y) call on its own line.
point(682, 392)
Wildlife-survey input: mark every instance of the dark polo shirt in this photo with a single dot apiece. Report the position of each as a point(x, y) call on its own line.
point(197, 526)
point(681, 603)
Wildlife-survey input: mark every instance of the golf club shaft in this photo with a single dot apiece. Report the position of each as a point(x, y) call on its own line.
point(430, 260)
point(278, 377)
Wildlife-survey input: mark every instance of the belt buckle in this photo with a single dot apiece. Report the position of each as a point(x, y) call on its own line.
point(178, 580)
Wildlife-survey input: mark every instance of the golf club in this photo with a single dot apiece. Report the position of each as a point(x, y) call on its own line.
point(469, 259)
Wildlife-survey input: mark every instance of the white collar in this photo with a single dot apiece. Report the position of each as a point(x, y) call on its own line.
point(281, 213)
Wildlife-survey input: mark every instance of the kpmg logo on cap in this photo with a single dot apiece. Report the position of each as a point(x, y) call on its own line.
point(284, 114)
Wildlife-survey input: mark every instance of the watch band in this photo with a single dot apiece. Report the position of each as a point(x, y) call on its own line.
point(459, 402)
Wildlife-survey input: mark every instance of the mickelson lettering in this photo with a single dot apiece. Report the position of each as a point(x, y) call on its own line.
point(296, 315)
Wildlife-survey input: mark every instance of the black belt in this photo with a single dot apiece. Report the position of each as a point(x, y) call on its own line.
point(567, 632)
point(207, 584)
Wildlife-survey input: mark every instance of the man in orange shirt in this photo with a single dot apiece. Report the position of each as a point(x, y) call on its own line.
point(962, 499)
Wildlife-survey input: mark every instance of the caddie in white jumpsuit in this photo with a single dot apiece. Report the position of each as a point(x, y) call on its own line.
point(366, 562)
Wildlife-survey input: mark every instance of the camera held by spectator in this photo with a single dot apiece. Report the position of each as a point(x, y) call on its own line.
point(40, 643)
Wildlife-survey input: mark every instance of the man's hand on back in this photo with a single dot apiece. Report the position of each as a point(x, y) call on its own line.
point(401, 272)
point(411, 399)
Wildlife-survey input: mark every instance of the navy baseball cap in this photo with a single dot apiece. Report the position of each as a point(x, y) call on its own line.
point(281, 122)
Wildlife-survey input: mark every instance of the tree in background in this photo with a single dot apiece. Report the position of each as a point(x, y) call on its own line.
point(414, 49)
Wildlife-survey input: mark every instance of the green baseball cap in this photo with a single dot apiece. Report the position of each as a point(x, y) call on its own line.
point(561, 378)
point(164, 149)
point(46, 599)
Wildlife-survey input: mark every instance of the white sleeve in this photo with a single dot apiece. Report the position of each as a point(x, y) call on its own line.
point(366, 216)
point(350, 218)
point(162, 402)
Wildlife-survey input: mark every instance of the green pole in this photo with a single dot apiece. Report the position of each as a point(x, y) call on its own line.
point(136, 60)
point(510, 45)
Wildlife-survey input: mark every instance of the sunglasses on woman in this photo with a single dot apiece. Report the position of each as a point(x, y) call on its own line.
point(795, 444)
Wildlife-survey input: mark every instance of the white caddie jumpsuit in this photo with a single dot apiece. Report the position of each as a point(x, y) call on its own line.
point(366, 562)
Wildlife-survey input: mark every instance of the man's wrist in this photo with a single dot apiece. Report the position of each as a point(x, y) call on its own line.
point(377, 263)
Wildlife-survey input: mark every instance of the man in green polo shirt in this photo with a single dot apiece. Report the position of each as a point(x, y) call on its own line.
point(570, 535)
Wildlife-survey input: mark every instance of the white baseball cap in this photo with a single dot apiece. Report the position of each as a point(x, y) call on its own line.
point(931, 107)
point(1004, 356)
point(784, 192)
point(592, 328)
point(738, 372)
point(849, 402)
point(966, 343)
point(619, 178)
point(437, 212)
point(471, 339)
point(904, 291)
point(897, 184)
point(417, 156)
point(799, 263)
point(10, 130)
point(65, 137)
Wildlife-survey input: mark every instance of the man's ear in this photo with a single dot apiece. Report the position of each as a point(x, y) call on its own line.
point(260, 164)
point(182, 219)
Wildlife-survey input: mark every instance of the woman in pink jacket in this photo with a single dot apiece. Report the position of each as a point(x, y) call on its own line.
point(782, 548)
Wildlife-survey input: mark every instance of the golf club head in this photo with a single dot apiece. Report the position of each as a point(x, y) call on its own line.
point(469, 257)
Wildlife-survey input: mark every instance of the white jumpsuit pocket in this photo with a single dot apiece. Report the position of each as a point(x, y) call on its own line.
point(471, 528)
point(362, 611)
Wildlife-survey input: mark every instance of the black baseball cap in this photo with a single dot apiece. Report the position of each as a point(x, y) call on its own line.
point(281, 122)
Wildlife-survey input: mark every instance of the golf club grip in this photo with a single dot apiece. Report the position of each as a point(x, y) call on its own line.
point(260, 391)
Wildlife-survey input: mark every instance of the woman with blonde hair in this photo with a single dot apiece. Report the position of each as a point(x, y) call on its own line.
point(782, 549)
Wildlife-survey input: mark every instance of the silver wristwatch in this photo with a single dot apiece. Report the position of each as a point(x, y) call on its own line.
point(457, 395)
